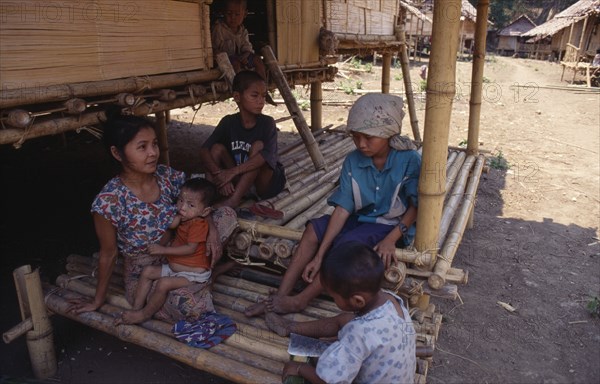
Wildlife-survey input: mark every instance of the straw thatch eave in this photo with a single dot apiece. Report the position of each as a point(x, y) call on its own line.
point(564, 19)
point(415, 11)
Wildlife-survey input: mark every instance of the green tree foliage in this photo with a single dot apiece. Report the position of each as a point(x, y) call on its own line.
point(502, 12)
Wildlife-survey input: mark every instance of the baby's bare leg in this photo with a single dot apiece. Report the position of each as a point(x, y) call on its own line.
point(156, 300)
point(148, 275)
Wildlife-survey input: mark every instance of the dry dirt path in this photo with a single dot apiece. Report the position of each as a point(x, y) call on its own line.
point(533, 242)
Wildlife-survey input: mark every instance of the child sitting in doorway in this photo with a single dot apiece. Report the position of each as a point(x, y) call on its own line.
point(230, 36)
point(188, 262)
point(376, 338)
point(241, 153)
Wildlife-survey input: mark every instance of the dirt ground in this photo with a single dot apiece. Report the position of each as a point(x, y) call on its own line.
point(534, 244)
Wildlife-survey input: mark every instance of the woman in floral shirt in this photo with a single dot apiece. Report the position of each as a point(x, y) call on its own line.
point(136, 207)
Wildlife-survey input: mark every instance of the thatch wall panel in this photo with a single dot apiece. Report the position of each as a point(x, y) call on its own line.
point(298, 24)
point(364, 17)
point(72, 43)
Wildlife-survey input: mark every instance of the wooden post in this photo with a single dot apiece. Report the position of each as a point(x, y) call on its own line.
point(441, 89)
point(408, 89)
point(161, 135)
point(40, 340)
point(385, 72)
point(271, 29)
point(477, 77)
point(307, 136)
point(582, 37)
point(316, 105)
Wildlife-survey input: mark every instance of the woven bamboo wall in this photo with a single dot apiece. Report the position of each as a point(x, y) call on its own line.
point(298, 24)
point(47, 43)
point(370, 17)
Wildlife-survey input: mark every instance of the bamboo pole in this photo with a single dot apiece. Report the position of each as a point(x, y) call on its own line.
point(316, 105)
point(39, 338)
point(309, 140)
point(196, 357)
point(161, 134)
point(454, 169)
point(385, 72)
point(408, 87)
point(56, 126)
point(440, 93)
point(454, 199)
point(63, 92)
point(438, 279)
point(477, 76)
point(254, 228)
point(304, 202)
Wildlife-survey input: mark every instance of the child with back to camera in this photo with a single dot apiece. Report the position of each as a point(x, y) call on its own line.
point(188, 262)
point(242, 150)
point(376, 339)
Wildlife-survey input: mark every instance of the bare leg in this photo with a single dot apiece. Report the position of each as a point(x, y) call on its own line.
point(246, 180)
point(147, 277)
point(163, 286)
point(306, 251)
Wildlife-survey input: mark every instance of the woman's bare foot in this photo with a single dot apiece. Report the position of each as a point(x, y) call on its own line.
point(255, 309)
point(130, 317)
point(284, 304)
point(278, 324)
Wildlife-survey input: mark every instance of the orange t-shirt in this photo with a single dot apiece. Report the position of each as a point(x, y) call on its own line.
point(192, 231)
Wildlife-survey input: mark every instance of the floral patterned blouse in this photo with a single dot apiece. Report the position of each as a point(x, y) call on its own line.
point(138, 223)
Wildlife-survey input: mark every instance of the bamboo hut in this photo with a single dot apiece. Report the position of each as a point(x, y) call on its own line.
point(62, 65)
point(510, 40)
point(574, 37)
point(447, 194)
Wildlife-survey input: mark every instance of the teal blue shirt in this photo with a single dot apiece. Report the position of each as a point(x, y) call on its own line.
point(379, 196)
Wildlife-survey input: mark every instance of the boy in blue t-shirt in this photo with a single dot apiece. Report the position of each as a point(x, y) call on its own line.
point(376, 203)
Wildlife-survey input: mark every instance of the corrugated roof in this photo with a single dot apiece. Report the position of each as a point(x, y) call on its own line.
point(565, 18)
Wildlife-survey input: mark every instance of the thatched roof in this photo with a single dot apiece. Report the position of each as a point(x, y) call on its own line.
point(414, 10)
point(565, 18)
point(518, 27)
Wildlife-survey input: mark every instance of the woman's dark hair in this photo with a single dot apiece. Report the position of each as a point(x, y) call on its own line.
point(118, 130)
point(352, 267)
point(203, 187)
point(244, 79)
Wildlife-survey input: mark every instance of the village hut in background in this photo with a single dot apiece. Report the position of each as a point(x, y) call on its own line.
point(574, 35)
point(510, 40)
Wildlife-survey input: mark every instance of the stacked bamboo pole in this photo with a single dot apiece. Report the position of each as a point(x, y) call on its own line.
point(440, 93)
point(254, 348)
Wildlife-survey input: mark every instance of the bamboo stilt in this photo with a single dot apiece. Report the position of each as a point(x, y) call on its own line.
point(316, 105)
point(408, 87)
point(477, 76)
point(438, 279)
point(39, 338)
point(440, 93)
point(385, 72)
point(290, 101)
point(161, 135)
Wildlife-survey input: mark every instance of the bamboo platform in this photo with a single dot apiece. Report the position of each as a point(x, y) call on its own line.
point(254, 354)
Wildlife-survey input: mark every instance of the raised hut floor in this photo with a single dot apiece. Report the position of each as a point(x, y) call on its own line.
point(254, 354)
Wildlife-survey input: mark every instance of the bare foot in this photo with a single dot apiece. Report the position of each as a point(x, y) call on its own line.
point(278, 324)
point(255, 309)
point(130, 317)
point(284, 304)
